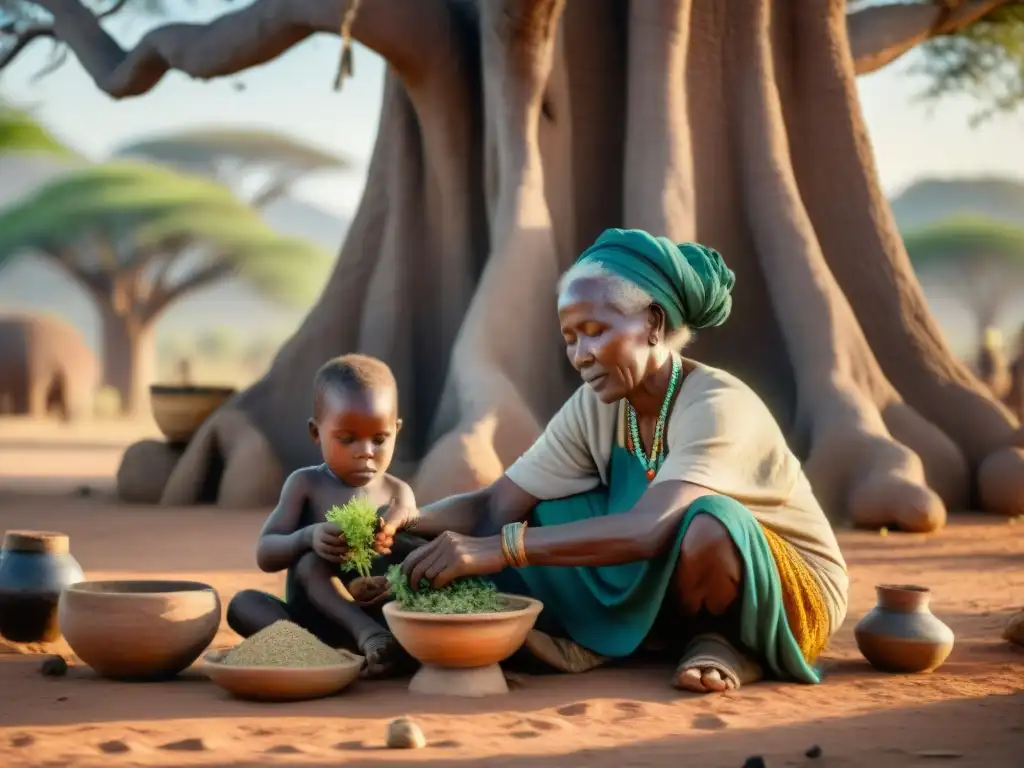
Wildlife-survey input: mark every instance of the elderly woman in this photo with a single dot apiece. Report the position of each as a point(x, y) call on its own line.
point(661, 506)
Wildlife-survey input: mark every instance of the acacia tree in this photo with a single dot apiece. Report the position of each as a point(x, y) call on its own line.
point(20, 134)
point(983, 258)
point(512, 133)
point(261, 166)
point(137, 238)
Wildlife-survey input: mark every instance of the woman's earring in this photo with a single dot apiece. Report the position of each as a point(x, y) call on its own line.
point(653, 340)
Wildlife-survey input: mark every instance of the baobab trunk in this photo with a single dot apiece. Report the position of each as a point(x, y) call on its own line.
point(127, 354)
point(510, 137)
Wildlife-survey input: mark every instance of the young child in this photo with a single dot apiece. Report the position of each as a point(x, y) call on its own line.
point(355, 422)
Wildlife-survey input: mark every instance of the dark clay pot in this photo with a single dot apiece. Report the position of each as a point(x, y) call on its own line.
point(900, 634)
point(34, 567)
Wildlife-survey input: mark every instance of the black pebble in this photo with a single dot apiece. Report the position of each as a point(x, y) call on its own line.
point(755, 762)
point(813, 752)
point(54, 666)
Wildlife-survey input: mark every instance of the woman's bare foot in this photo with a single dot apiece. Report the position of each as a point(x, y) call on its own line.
point(382, 652)
point(711, 664)
point(702, 680)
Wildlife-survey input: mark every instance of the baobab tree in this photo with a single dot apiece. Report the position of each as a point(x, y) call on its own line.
point(137, 238)
point(515, 131)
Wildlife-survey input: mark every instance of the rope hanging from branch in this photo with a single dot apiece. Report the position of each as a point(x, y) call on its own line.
point(345, 64)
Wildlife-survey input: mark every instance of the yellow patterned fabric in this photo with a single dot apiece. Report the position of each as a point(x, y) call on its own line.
point(806, 610)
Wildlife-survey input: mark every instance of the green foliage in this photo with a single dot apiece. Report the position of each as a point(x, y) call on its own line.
point(460, 597)
point(984, 60)
point(964, 239)
point(19, 133)
point(145, 210)
point(358, 523)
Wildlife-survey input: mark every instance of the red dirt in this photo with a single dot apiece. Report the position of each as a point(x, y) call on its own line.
point(973, 707)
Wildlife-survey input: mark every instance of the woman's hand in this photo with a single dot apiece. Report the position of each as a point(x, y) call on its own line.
point(453, 556)
point(394, 518)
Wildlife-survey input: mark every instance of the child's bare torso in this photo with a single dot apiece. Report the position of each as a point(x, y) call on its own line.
point(326, 491)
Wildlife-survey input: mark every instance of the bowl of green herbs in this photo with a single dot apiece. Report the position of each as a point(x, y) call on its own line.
point(459, 633)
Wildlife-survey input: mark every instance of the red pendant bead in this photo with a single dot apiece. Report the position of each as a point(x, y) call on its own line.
point(650, 475)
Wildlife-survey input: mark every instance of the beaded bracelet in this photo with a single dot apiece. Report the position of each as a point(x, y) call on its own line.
point(513, 545)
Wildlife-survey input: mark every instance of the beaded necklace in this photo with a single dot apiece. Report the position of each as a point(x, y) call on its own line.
point(635, 445)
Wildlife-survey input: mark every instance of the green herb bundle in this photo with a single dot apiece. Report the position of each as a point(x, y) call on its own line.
point(461, 596)
point(358, 523)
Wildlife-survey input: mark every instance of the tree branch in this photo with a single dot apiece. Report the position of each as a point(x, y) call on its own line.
point(399, 30)
point(163, 297)
point(25, 37)
point(881, 34)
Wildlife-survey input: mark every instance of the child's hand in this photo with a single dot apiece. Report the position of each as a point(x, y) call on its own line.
point(392, 520)
point(328, 542)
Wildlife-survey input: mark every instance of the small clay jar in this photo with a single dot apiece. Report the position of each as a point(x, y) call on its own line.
point(34, 567)
point(900, 634)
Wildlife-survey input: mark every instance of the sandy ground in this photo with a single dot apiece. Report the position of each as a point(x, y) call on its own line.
point(970, 712)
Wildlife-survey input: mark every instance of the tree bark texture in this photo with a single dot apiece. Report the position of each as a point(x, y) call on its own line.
point(127, 358)
point(519, 132)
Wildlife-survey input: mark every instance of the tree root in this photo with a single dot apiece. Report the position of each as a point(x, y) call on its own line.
point(229, 463)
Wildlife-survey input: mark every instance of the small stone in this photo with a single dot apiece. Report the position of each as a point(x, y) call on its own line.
point(1014, 631)
point(939, 754)
point(813, 753)
point(755, 762)
point(115, 747)
point(185, 745)
point(403, 733)
point(62, 698)
point(53, 666)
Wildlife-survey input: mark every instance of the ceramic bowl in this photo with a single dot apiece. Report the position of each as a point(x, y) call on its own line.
point(180, 411)
point(281, 683)
point(145, 630)
point(459, 641)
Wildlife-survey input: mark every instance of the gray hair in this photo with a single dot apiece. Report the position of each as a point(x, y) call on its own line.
point(626, 296)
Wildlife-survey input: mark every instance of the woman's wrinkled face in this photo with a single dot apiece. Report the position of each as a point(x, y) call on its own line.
point(611, 350)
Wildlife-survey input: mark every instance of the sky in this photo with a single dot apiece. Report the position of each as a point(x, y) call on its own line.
point(293, 95)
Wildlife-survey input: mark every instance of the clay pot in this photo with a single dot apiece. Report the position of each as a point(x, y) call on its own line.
point(900, 634)
point(139, 630)
point(180, 411)
point(34, 567)
point(460, 653)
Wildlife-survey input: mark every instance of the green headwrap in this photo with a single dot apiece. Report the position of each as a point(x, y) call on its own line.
point(689, 281)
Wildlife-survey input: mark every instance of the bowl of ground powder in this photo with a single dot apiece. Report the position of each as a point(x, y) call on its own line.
point(282, 662)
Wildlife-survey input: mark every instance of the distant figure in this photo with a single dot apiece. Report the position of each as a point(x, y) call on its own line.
point(992, 367)
point(185, 372)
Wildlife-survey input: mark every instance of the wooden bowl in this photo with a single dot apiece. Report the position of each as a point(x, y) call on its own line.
point(180, 411)
point(460, 653)
point(139, 630)
point(281, 683)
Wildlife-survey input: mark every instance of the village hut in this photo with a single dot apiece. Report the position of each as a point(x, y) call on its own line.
point(46, 368)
